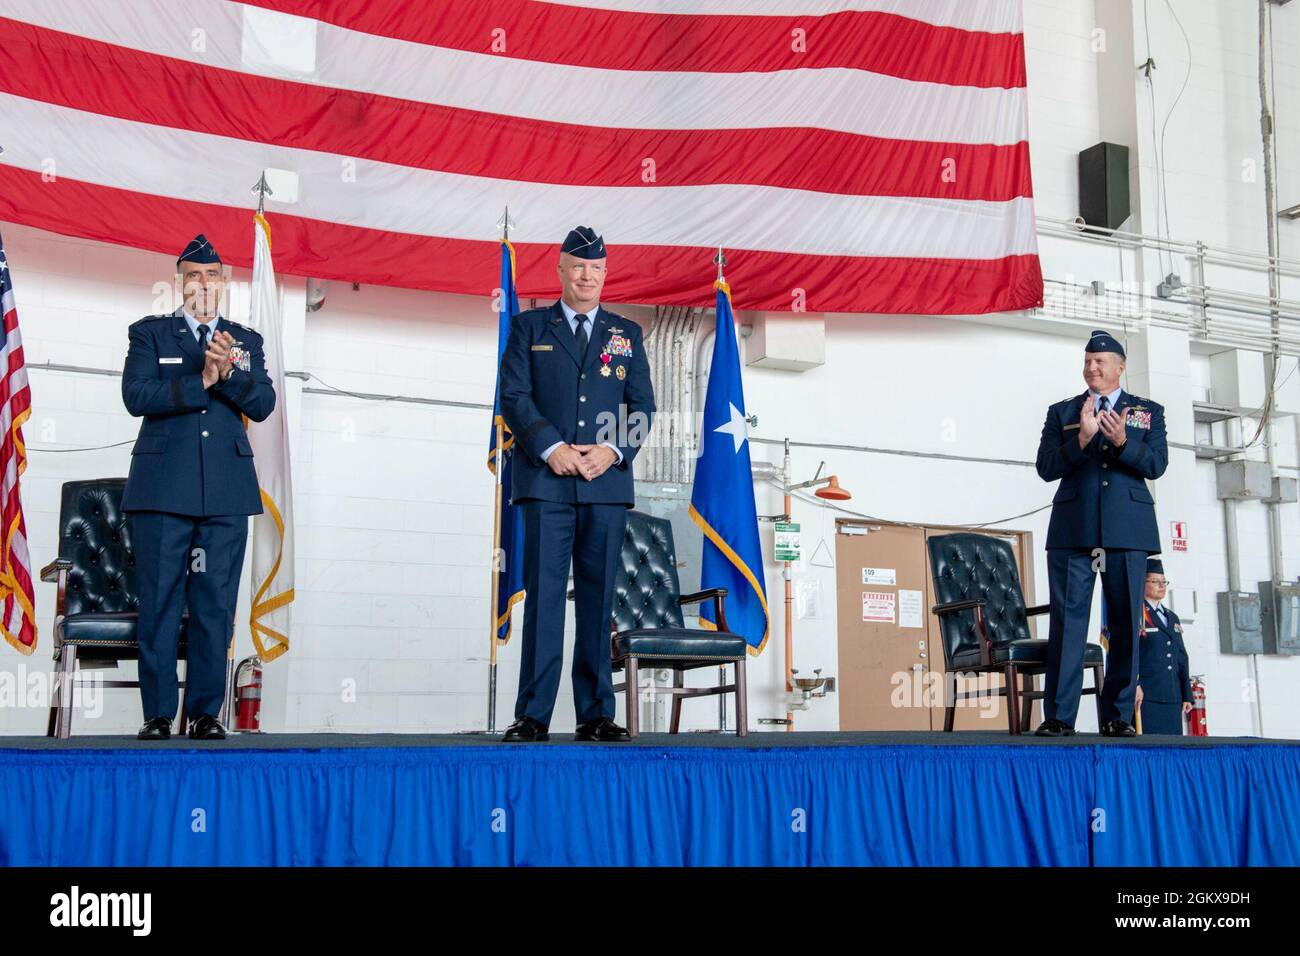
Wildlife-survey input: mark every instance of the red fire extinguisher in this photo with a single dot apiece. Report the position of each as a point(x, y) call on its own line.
point(1196, 721)
point(248, 695)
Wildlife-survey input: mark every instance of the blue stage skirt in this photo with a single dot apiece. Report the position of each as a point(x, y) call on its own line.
point(552, 805)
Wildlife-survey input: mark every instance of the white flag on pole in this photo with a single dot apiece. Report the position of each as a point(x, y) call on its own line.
point(272, 582)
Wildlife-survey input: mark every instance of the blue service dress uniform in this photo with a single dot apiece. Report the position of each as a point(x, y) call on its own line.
point(191, 488)
point(1163, 672)
point(1102, 510)
point(551, 393)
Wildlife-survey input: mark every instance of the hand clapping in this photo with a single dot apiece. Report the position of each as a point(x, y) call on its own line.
point(217, 362)
point(1112, 425)
point(1115, 427)
point(1088, 422)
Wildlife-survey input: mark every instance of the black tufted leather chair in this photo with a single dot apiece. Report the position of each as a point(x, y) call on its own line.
point(648, 624)
point(984, 624)
point(97, 604)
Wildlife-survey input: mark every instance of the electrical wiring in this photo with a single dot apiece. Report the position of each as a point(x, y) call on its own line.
point(809, 499)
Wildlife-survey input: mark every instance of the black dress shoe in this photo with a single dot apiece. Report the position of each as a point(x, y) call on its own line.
point(155, 728)
point(1054, 728)
point(526, 730)
point(602, 728)
point(1118, 728)
point(207, 727)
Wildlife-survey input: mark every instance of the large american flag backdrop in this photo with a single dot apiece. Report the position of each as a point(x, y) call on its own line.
point(851, 155)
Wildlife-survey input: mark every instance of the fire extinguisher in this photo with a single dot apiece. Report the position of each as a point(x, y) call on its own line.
point(248, 695)
point(1196, 721)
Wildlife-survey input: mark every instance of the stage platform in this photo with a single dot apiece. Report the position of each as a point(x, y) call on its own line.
point(860, 799)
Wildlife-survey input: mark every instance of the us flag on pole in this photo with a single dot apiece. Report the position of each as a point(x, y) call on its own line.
point(863, 156)
point(19, 623)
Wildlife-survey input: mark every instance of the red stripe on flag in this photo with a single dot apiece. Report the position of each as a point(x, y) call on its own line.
point(665, 42)
point(23, 399)
point(59, 68)
point(642, 274)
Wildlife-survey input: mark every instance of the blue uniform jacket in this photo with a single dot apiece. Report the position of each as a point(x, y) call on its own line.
point(192, 456)
point(1103, 500)
point(551, 394)
point(1163, 668)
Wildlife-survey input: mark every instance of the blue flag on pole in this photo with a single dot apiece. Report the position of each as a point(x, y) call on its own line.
point(510, 570)
point(722, 502)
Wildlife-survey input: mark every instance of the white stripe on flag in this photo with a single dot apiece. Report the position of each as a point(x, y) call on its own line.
point(845, 100)
point(98, 149)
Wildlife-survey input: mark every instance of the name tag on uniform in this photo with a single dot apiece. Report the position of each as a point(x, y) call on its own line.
point(171, 361)
point(1066, 428)
point(542, 348)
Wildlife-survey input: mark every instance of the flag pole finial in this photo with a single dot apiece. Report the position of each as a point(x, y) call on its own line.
point(262, 190)
point(504, 224)
point(721, 260)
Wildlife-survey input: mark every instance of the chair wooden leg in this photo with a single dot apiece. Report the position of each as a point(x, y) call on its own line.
point(1012, 678)
point(676, 722)
point(68, 678)
point(633, 697)
point(53, 723)
point(742, 700)
point(1027, 705)
point(949, 701)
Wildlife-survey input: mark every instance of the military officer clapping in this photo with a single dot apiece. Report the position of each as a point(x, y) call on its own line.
point(193, 376)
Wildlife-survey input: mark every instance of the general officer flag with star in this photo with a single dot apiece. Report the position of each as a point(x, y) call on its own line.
point(722, 502)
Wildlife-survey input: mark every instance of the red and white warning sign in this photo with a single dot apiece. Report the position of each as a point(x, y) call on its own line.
point(878, 607)
point(1178, 535)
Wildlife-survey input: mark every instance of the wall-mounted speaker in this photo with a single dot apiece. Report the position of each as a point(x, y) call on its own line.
point(1103, 185)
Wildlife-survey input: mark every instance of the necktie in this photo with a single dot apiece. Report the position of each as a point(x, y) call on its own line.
point(581, 333)
point(203, 338)
point(1105, 404)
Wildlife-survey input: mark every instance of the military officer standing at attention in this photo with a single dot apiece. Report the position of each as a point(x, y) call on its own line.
point(1103, 446)
point(576, 392)
point(192, 375)
point(1164, 693)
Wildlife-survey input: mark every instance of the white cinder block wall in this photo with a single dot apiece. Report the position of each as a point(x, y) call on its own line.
point(394, 502)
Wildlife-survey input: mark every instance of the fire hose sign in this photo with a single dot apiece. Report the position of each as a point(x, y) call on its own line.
point(1178, 535)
